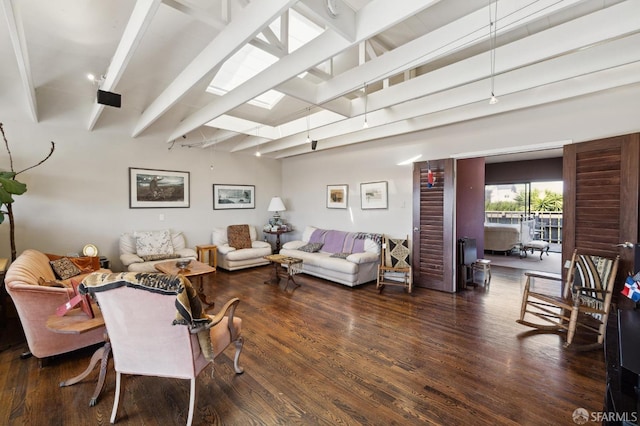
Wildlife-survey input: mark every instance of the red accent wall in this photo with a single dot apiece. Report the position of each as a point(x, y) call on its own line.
point(470, 200)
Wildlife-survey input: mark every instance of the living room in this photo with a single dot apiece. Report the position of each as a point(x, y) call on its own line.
point(82, 194)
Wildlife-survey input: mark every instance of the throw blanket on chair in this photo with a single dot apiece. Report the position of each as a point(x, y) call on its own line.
point(188, 305)
point(239, 236)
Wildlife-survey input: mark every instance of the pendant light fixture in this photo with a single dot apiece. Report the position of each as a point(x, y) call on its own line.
point(365, 125)
point(493, 25)
point(308, 123)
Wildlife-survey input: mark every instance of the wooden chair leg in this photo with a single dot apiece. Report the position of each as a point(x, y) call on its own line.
point(239, 342)
point(525, 298)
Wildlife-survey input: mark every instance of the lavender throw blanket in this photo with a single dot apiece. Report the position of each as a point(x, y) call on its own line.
point(338, 241)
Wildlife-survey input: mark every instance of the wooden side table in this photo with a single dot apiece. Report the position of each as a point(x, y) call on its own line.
point(76, 322)
point(277, 234)
point(212, 258)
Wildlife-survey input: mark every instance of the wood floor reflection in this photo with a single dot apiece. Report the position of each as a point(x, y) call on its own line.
point(328, 354)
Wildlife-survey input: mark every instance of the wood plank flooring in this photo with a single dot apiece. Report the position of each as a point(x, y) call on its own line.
point(325, 354)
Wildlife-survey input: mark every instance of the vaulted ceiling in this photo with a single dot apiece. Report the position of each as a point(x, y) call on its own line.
point(344, 71)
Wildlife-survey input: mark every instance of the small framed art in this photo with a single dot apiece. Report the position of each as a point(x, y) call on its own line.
point(373, 195)
point(337, 196)
point(150, 188)
point(234, 197)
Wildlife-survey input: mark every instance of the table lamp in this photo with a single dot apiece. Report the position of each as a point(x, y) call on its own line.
point(276, 205)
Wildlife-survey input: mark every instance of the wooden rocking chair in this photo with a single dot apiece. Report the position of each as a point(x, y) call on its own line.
point(395, 265)
point(583, 299)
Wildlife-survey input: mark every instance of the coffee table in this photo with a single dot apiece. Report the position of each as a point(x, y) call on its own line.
point(195, 269)
point(76, 321)
point(294, 267)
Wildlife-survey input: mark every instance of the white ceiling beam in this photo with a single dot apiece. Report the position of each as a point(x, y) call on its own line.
point(624, 76)
point(344, 23)
point(198, 13)
point(535, 48)
point(515, 14)
point(141, 17)
point(464, 32)
point(273, 40)
point(306, 92)
point(562, 69)
point(219, 137)
point(240, 125)
point(298, 126)
point(255, 17)
point(16, 33)
point(371, 19)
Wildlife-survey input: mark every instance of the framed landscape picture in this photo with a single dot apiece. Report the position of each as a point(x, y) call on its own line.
point(234, 197)
point(337, 196)
point(150, 188)
point(373, 195)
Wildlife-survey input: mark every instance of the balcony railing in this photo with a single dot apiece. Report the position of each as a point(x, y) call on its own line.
point(548, 224)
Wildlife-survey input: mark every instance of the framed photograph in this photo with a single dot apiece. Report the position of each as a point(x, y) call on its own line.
point(373, 195)
point(337, 196)
point(150, 188)
point(234, 197)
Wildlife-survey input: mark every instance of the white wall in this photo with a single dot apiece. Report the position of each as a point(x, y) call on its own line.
point(81, 194)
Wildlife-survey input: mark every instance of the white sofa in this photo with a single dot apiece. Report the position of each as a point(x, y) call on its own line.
point(360, 262)
point(231, 259)
point(167, 245)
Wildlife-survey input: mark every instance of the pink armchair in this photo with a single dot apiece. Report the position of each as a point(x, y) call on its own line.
point(151, 336)
point(35, 303)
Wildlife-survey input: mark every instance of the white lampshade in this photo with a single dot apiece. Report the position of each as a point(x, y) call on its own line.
point(276, 205)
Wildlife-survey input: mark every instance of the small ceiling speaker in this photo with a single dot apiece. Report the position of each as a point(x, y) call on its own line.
point(314, 144)
point(109, 98)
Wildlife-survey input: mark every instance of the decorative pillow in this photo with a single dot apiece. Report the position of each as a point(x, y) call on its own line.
point(153, 242)
point(311, 247)
point(64, 268)
point(239, 236)
point(397, 253)
point(149, 257)
point(340, 255)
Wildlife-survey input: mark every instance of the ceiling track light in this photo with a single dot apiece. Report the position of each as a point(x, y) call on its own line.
point(493, 27)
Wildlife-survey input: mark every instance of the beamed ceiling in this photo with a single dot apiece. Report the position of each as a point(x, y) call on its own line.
point(400, 65)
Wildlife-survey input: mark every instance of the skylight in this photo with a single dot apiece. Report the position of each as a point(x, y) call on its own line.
point(250, 60)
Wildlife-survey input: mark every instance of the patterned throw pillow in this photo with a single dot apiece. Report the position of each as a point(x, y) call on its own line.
point(397, 254)
point(64, 268)
point(153, 242)
point(239, 236)
point(340, 255)
point(311, 247)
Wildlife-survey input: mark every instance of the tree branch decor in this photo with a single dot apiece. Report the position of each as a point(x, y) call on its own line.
point(10, 186)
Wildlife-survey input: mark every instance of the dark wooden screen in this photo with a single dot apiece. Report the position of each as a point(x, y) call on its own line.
point(601, 197)
point(433, 247)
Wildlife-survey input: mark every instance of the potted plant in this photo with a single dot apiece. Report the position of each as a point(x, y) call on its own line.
point(9, 187)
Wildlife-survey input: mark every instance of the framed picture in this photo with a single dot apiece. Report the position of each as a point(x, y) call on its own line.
point(337, 196)
point(373, 195)
point(150, 188)
point(234, 197)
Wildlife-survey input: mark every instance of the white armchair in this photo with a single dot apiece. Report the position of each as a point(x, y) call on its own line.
point(140, 251)
point(232, 258)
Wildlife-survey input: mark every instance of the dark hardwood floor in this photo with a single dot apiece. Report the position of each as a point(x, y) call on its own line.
point(328, 354)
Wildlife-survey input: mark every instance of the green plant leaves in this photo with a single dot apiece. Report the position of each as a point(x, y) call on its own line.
point(9, 186)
